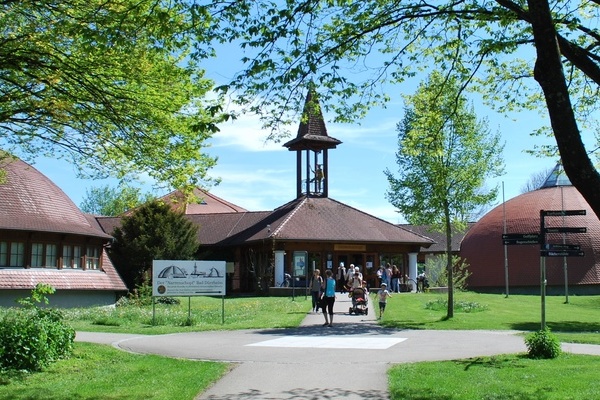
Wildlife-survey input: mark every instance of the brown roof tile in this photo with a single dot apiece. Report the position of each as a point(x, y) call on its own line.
point(438, 237)
point(30, 201)
point(63, 279)
point(321, 219)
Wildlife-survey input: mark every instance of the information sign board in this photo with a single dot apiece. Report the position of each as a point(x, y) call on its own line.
point(566, 229)
point(562, 213)
point(520, 238)
point(561, 253)
point(188, 278)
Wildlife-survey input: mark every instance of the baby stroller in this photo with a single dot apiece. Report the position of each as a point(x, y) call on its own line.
point(359, 302)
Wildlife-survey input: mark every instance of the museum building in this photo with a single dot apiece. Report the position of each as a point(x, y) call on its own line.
point(312, 231)
point(566, 249)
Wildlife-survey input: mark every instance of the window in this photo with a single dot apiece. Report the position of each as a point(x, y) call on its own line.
point(3, 254)
point(67, 257)
point(76, 256)
point(17, 254)
point(92, 260)
point(71, 256)
point(37, 255)
point(50, 255)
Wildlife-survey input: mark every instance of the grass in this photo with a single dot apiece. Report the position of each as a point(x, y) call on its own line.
point(507, 377)
point(577, 321)
point(206, 314)
point(103, 372)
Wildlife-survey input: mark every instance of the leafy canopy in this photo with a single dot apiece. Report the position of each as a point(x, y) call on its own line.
point(444, 156)
point(112, 201)
point(109, 85)
point(354, 50)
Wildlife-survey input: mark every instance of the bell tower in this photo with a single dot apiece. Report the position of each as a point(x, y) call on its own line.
point(311, 145)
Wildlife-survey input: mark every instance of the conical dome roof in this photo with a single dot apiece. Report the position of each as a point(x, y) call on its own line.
point(483, 247)
point(30, 201)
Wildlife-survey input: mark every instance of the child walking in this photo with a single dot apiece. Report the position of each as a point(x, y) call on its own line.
point(383, 295)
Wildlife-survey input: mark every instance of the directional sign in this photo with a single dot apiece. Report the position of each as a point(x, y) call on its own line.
point(561, 213)
point(561, 253)
point(521, 238)
point(562, 247)
point(566, 229)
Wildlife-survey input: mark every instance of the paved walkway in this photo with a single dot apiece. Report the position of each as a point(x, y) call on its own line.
point(347, 360)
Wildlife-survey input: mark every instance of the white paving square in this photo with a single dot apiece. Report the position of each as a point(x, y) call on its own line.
point(331, 342)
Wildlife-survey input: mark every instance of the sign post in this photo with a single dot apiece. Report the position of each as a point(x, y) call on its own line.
point(556, 249)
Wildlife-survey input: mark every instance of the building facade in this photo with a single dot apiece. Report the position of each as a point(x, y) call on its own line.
point(45, 238)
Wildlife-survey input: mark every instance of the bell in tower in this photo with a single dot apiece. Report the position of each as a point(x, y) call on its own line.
point(311, 145)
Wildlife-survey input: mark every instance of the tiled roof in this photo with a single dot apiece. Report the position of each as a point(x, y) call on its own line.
point(312, 133)
point(438, 237)
point(315, 218)
point(307, 219)
point(484, 250)
point(30, 201)
point(63, 279)
point(207, 203)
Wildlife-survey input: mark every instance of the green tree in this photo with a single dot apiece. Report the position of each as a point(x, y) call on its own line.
point(444, 156)
point(109, 85)
point(152, 232)
point(112, 201)
point(507, 50)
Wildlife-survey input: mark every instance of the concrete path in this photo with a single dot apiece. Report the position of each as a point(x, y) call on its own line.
point(347, 360)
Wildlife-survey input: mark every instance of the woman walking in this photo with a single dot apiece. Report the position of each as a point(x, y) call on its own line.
point(328, 298)
point(316, 283)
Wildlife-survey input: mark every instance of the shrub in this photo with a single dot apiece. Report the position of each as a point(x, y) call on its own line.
point(31, 337)
point(542, 344)
point(459, 306)
point(142, 296)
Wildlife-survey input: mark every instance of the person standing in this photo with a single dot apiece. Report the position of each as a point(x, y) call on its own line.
point(395, 279)
point(316, 283)
point(328, 298)
point(382, 296)
point(384, 276)
point(388, 272)
point(349, 274)
point(341, 277)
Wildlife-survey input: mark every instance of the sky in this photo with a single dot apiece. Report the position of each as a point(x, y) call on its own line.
point(260, 176)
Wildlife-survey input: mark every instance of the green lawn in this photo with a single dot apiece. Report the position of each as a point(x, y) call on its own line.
point(102, 372)
point(508, 377)
point(577, 321)
point(202, 314)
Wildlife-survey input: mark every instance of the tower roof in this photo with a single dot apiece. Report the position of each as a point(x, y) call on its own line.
point(557, 178)
point(312, 133)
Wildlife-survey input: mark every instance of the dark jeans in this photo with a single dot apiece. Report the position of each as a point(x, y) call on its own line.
point(315, 300)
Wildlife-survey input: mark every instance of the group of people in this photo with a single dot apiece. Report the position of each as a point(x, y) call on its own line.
point(390, 275)
point(349, 279)
point(323, 290)
point(323, 294)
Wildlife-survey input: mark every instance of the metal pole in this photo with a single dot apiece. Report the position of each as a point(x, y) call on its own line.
point(153, 311)
point(189, 310)
point(543, 289)
point(505, 246)
point(543, 271)
point(564, 236)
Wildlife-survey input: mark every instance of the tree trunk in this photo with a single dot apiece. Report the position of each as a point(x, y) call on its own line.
point(449, 268)
point(549, 74)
